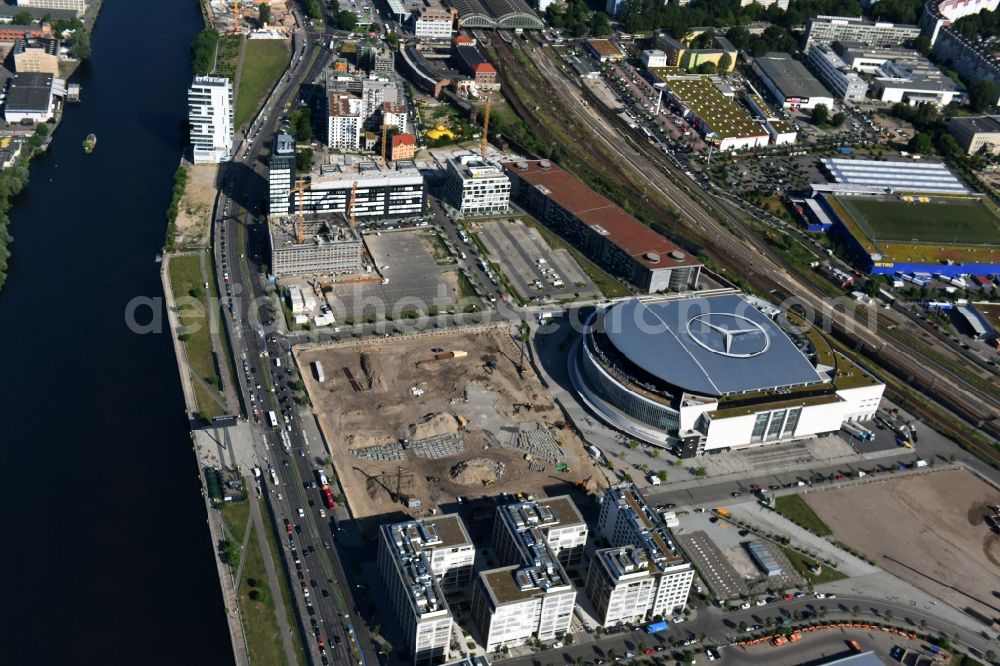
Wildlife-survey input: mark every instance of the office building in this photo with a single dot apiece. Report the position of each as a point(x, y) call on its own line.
point(281, 173)
point(722, 54)
point(36, 55)
point(433, 23)
point(605, 233)
point(417, 560)
point(789, 83)
point(344, 122)
point(977, 133)
point(711, 374)
point(396, 191)
point(78, 6)
point(845, 84)
point(915, 82)
point(533, 597)
point(829, 29)
point(329, 247)
point(644, 573)
point(210, 114)
point(477, 187)
point(32, 96)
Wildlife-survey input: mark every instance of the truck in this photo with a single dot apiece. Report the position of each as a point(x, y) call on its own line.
point(328, 497)
point(887, 297)
point(920, 463)
point(318, 371)
point(845, 150)
point(274, 475)
point(549, 314)
point(596, 452)
point(272, 419)
point(321, 475)
point(857, 432)
point(656, 627)
point(914, 280)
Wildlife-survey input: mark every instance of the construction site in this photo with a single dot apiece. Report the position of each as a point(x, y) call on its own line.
point(937, 531)
point(435, 418)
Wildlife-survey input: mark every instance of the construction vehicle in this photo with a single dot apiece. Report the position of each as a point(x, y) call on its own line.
point(443, 356)
point(562, 467)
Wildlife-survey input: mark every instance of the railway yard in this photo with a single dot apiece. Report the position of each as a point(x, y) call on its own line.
point(419, 422)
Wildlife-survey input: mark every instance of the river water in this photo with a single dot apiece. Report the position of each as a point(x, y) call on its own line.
point(106, 552)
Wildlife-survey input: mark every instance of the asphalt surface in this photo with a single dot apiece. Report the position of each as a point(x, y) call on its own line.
point(329, 609)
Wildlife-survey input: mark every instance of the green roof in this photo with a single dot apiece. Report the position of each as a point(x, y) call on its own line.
point(722, 116)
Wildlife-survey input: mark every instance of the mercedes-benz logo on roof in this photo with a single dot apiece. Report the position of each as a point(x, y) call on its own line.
point(728, 334)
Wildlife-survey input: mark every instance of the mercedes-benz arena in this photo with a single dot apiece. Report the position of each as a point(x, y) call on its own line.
point(710, 374)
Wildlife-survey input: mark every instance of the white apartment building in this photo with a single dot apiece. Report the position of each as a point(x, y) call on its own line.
point(626, 520)
point(396, 191)
point(533, 596)
point(210, 114)
point(416, 559)
point(344, 122)
point(78, 6)
point(828, 29)
point(433, 23)
point(836, 74)
point(394, 115)
point(476, 187)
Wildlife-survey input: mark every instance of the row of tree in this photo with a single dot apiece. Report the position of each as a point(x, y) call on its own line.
point(203, 48)
point(649, 15)
point(12, 181)
point(983, 24)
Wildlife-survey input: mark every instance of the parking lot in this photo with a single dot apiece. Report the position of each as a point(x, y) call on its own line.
point(720, 576)
point(535, 269)
point(415, 281)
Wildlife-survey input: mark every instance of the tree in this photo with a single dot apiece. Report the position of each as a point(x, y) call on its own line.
point(922, 44)
point(725, 63)
point(662, 475)
point(888, 616)
point(21, 18)
point(983, 94)
point(301, 125)
point(555, 15)
point(820, 114)
point(264, 12)
point(921, 143)
point(203, 52)
point(855, 610)
point(991, 656)
point(707, 68)
point(303, 160)
point(81, 45)
point(568, 638)
point(700, 471)
point(599, 25)
point(838, 119)
point(346, 20)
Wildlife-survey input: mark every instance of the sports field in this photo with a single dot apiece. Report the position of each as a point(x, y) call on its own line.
point(952, 221)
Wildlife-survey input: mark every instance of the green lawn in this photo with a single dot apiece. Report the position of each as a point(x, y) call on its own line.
point(796, 510)
point(953, 221)
point(208, 408)
point(259, 620)
point(467, 297)
point(229, 56)
point(263, 64)
point(236, 514)
point(187, 282)
point(802, 564)
point(286, 595)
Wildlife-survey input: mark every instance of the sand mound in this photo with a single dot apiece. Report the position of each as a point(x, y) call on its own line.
point(477, 471)
point(432, 425)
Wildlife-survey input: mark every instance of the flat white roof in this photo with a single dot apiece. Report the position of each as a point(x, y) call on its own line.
point(908, 176)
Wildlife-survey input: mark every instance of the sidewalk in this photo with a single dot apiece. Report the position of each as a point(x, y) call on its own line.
point(190, 402)
point(273, 583)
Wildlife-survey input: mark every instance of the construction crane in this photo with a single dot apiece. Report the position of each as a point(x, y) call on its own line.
point(385, 135)
point(299, 231)
point(350, 205)
point(236, 15)
point(486, 124)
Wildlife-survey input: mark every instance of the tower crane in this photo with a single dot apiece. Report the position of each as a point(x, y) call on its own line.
point(486, 123)
point(299, 231)
point(385, 135)
point(236, 15)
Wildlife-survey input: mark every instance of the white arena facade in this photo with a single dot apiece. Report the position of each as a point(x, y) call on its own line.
point(710, 374)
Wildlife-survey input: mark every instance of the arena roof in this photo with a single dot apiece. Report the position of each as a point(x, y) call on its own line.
point(716, 346)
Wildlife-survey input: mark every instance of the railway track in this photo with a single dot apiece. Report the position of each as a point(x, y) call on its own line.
point(729, 240)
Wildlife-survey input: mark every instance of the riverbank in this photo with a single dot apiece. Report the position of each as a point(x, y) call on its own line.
point(14, 179)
